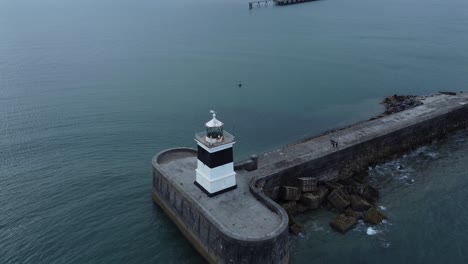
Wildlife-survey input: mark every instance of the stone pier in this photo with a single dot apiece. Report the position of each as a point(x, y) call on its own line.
point(245, 225)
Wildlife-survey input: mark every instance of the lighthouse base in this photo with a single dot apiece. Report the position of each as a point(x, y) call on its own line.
point(215, 181)
point(215, 193)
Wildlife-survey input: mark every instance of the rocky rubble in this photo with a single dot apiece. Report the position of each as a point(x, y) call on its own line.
point(352, 200)
point(397, 103)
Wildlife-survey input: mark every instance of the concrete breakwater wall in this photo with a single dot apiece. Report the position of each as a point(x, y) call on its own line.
point(245, 225)
point(365, 144)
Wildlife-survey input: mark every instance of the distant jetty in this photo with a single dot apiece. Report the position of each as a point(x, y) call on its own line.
point(259, 3)
point(289, 2)
point(231, 213)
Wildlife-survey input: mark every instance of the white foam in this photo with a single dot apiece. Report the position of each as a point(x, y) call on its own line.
point(383, 208)
point(371, 231)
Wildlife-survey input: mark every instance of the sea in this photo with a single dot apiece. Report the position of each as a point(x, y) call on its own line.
point(90, 90)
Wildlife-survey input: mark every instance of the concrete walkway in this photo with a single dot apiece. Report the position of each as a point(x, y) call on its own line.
point(321, 146)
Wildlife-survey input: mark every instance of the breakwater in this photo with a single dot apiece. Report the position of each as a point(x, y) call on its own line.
point(246, 225)
point(258, 3)
point(289, 2)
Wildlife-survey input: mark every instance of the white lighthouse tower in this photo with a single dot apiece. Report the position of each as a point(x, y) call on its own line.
point(215, 165)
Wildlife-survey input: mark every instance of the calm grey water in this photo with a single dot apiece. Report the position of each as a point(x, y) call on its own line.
point(91, 89)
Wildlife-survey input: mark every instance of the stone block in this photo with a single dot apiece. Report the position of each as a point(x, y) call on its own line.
point(322, 192)
point(354, 188)
point(355, 214)
point(273, 193)
point(290, 207)
point(339, 199)
point(343, 223)
point(374, 216)
point(370, 193)
point(301, 208)
point(291, 220)
point(312, 201)
point(296, 229)
point(359, 204)
point(331, 185)
point(290, 193)
point(307, 184)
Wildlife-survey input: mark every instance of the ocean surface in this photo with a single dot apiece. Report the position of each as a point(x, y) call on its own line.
point(90, 90)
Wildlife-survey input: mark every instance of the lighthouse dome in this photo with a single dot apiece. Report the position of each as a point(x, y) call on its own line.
point(214, 123)
point(214, 129)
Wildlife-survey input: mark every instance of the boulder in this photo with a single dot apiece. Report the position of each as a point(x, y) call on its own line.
point(301, 208)
point(448, 93)
point(296, 229)
point(339, 199)
point(397, 103)
point(331, 185)
point(374, 216)
point(290, 207)
point(355, 214)
point(291, 220)
point(343, 223)
point(307, 184)
point(294, 226)
point(289, 193)
point(359, 204)
point(370, 193)
point(321, 192)
point(354, 187)
point(311, 200)
point(273, 193)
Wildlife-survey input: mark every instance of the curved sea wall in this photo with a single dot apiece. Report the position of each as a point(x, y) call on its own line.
point(212, 239)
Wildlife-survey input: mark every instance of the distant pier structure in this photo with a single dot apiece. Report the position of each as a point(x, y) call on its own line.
point(259, 3)
point(288, 2)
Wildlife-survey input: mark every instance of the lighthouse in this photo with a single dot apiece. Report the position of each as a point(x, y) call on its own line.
point(215, 165)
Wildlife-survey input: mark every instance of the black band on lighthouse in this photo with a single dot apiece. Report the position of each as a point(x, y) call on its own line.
point(215, 159)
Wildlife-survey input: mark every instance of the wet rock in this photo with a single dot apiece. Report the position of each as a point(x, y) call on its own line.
point(273, 193)
point(359, 204)
point(290, 207)
point(311, 200)
point(397, 103)
point(370, 193)
point(331, 185)
point(355, 214)
point(291, 219)
point(339, 199)
point(374, 216)
point(301, 208)
point(307, 184)
point(354, 188)
point(321, 192)
point(289, 193)
point(448, 93)
point(361, 176)
point(296, 229)
point(343, 223)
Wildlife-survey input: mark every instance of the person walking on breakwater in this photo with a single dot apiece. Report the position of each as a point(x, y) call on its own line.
point(333, 143)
